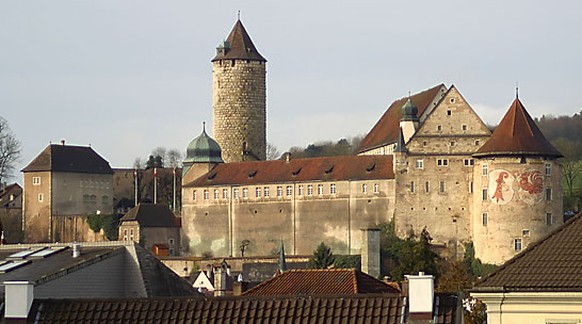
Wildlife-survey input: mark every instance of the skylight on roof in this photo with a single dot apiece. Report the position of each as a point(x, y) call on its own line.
point(13, 265)
point(47, 252)
point(24, 254)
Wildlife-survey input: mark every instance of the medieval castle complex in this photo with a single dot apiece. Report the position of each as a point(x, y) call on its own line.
point(430, 161)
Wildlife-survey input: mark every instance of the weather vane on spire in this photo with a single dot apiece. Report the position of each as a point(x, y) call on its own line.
point(238, 15)
point(516, 90)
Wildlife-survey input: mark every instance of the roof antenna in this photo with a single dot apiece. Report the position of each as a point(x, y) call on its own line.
point(516, 90)
point(238, 15)
point(204, 126)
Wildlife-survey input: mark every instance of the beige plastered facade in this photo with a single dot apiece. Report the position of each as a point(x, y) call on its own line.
point(532, 307)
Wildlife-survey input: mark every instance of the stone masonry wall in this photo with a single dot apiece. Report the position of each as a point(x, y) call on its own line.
point(239, 106)
point(514, 199)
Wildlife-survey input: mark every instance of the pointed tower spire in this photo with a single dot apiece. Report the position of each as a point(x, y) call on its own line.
point(282, 263)
point(400, 145)
point(517, 134)
point(238, 46)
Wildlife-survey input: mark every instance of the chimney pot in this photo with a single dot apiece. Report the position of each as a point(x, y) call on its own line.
point(63, 142)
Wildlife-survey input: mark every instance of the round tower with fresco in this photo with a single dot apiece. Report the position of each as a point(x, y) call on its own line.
point(239, 98)
point(517, 188)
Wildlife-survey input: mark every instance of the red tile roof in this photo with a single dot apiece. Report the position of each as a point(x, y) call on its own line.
point(517, 134)
point(387, 128)
point(554, 263)
point(296, 309)
point(335, 168)
point(240, 46)
point(320, 282)
point(69, 158)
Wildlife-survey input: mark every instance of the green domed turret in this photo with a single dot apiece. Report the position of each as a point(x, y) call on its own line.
point(409, 111)
point(203, 149)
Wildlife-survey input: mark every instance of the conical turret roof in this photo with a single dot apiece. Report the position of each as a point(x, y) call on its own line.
point(517, 134)
point(203, 149)
point(238, 45)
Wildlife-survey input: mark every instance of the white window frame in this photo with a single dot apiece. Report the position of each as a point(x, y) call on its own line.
point(548, 169)
point(216, 194)
point(549, 220)
point(266, 192)
point(442, 187)
point(310, 190)
point(36, 181)
point(206, 194)
point(468, 162)
point(289, 191)
point(194, 195)
point(235, 193)
point(517, 245)
point(364, 188)
point(225, 194)
point(485, 169)
point(442, 162)
point(419, 164)
point(376, 188)
point(245, 193)
point(258, 192)
point(301, 190)
point(485, 219)
point(332, 189)
point(279, 191)
point(40, 197)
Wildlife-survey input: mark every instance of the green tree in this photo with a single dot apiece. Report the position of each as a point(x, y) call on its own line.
point(322, 257)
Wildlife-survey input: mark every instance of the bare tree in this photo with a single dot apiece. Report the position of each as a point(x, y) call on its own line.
point(138, 163)
point(9, 150)
point(173, 158)
point(162, 152)
point(272, 152)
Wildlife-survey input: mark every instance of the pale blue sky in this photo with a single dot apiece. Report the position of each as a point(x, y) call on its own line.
point(128, 76)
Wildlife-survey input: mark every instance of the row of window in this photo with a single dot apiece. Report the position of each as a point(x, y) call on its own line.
point(442, 186)
point(548, 195)
point(547, 169)
point(443, 163)
point(92, 199)
point(549, 221)
point(266, 191)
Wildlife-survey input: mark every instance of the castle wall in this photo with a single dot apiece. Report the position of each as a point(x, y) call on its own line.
point(512, 204)
point(239, 106)
point(291, 212)
point(36, 206)
point(434, 178)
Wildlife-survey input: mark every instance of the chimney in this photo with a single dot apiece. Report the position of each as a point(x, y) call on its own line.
point(420, 296)
point(76, 250)
point(370, 251)
point(63, 142)
point(18, 296)
point(287, 156)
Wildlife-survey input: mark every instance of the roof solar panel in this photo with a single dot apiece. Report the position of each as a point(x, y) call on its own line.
point(24, 254)
point(9, 266)
point(47, 252)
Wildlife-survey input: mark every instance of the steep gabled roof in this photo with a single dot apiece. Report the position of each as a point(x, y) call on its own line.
point(14, 190)
point(69, 158)
point(387, 128)
point(320, 282)
point(517, 134)
point(151, 215)
point(335, 168)
point(238, 45)
point(554, 263)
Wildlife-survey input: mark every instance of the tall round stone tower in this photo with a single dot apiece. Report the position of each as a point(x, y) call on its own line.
point(239, 98)
point(517, 196)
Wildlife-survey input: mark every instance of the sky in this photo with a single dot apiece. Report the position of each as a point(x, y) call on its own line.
point(128, 76)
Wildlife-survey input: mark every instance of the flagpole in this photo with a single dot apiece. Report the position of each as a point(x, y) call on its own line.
point(174, 203)
point(135, 185)
point(155, 183)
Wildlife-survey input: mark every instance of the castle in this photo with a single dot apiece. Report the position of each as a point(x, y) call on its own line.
point(430, 161)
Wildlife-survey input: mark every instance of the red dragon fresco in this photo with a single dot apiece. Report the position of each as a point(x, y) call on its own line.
point(531, 182)
point(500, 182)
